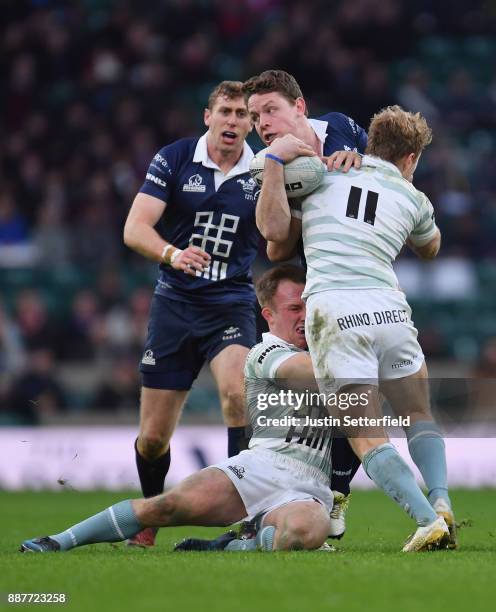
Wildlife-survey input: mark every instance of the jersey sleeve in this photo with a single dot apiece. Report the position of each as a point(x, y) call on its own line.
point(425, 228)
point(264, 359)
point(354, 136)
point(160, 174)
point(362, 139)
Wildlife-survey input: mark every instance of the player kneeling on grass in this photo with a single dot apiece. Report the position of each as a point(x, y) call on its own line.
point(282, 480)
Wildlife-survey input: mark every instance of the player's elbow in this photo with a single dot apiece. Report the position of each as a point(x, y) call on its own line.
point(431, 249)
point(277, 252)
point(130, 235)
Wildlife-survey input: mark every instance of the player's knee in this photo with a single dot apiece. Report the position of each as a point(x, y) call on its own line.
point(152, 445)
point(300, 534)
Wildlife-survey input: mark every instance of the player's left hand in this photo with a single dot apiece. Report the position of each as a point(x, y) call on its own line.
point(343, 160)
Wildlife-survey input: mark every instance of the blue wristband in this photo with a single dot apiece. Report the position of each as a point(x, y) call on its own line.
point(275, 158)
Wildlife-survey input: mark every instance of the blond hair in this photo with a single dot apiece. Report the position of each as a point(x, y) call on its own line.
point(394, 133)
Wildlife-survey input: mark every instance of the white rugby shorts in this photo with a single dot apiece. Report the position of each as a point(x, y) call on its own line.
point(361, 336)
point(266, 480)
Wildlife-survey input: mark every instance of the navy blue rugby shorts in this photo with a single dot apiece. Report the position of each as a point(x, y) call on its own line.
point(182, 336)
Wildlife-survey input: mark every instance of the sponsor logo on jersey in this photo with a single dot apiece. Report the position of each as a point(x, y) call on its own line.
point(161, 160)
point(195, 184)
point(239, 470)
point(148, 358)
point(268, 350)
point(231, 332)
point(155, 179)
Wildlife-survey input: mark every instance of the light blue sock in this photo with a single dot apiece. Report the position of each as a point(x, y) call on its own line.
point(114, 524)
point(264, 541)
point(387, 469)
point(427, 449)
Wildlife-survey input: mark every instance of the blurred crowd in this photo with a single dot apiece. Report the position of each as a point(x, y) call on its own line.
point(93, 88)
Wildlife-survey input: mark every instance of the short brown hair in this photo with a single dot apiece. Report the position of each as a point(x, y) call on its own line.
point(394, 133)
point(229, 89)
point(273, 81)
point(267, 284)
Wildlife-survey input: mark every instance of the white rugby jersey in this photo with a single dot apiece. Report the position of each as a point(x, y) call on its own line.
point(355, 224)
point(308, 443)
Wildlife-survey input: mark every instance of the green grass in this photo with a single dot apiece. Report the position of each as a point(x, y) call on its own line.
point(368, 573)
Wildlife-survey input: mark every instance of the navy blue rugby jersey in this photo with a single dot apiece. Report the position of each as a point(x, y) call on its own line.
point(221, 222)
point(343, 134)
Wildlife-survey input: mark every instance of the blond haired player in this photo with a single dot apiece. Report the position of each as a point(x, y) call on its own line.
point(359, 326)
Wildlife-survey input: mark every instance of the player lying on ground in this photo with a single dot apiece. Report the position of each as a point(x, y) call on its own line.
point(358, 322)
point(285, 484)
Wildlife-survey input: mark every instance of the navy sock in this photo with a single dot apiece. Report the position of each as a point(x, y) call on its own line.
point(237, 439)
point(344, 465)
point(152, 473)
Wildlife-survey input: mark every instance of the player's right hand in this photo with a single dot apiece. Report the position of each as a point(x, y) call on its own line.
point(192, 259)
point(289, 147)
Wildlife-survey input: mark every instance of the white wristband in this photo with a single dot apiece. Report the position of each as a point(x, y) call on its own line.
point(165, 251)
point(175, 255)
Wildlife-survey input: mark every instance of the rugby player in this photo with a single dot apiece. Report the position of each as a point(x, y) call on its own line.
point(199, 193)
point(277, 107)
point(359, 324)
point(281, 481)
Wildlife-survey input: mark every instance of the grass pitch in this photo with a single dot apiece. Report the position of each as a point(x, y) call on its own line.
point(367, 573)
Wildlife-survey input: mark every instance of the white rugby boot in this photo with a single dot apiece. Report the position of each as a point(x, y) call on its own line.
point(442, 508)
point(430, 537)
point(338, 515)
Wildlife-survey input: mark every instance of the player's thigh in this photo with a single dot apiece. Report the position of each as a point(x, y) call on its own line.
point(299, 524)
point(171, 358)
point(409, 396)
point(340, 342)
point(210, 498)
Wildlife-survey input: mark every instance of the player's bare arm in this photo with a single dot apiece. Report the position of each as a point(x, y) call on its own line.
point(429, 250)
point(141, 236)
point(282, 251)
point(298, 367)
point(272, 214)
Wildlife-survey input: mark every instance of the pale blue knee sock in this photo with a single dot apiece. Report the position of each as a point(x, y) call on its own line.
point(427, 449)
point(264, 541)
point(387, 469)
point(114, 524)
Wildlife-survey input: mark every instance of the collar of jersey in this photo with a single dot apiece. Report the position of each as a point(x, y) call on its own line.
point(320, 128)
point(377, 162)
point(268, 337)
point(201, 156)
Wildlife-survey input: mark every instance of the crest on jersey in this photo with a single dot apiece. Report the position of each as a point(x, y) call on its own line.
point(250, 188)
point(248, 185)
point(195, 184)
